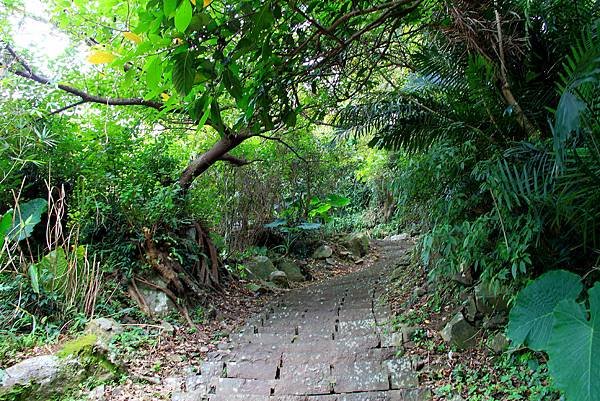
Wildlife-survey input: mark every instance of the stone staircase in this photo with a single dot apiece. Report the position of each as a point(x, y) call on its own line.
point(327, 342)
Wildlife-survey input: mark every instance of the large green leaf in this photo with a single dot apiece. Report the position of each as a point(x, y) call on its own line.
point(169, 7)
point(232, 84)
point(574, 348)
point(28, 216)
point(52, 269)
point(153, 73)
point(183, 16)
point(183, 73)
point(338, 200)
point(530, 320)
point(5, 224)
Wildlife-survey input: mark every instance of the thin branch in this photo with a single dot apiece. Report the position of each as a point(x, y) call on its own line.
point(314, 22)
point(343, 19)
point(85, 97)
point(88, 98)
point(236, 161)
point(392, 11)
point(284, 143)
point(70, 106)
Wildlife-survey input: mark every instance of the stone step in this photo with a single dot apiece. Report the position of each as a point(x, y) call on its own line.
point(233, 386)
point(396, 395)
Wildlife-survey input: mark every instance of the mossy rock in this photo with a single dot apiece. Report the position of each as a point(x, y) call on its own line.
point(291, 269)
point(358, 244)
point(260, 268)
point(52, 377)
point(81, 345)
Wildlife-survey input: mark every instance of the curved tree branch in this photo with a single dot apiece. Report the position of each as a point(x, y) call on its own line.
point(89, 98)
point(28, 73)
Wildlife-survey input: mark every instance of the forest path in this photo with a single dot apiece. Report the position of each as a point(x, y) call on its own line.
point(326, 342)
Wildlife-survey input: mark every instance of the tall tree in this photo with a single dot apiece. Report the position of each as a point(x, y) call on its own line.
point(240, 67)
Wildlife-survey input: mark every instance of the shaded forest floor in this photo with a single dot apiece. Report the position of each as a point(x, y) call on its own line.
point(476, 373)
point(157, 355)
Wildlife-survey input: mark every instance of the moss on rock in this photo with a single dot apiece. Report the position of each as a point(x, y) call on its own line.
point(79, 361)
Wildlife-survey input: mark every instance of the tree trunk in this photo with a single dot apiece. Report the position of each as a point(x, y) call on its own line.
point(204, 161)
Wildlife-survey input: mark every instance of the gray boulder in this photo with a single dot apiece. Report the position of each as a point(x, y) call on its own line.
point(499, 343)
point(322, 252)
point(104, 328)
point(399, 237)
point(495, 321)
point(489, 301)
point(51, 376)
point(470, 309)
point(459, 332)
point(42, 370)
point(279, 278)
point(418, 292)
point(291, 270)
point(358, 244)
point(260, 268)
point(464, 277)
point(159, 304)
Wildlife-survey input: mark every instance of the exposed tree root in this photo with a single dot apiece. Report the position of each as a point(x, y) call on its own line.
point(181, 284)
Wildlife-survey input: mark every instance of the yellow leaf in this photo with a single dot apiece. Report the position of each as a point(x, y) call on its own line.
point(133, 37)
point(101, 57)
point(165, 96)
point(207, 3)
point(193, 2)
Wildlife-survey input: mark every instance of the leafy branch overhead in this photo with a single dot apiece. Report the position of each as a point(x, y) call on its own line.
point(253, 59)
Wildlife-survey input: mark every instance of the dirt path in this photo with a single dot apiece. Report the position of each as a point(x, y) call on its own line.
point(330, 342)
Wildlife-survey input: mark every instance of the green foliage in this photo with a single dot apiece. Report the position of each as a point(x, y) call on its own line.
point(532, 317)
point(51, 269)
point(510, 376)
point(323, 208)
point(574, 348)
point(26, 218)
point(547, 316)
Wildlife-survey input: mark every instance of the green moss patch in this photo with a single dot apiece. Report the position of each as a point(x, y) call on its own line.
point(83, 345)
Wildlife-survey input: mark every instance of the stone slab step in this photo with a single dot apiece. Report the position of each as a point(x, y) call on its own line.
point(395, 395)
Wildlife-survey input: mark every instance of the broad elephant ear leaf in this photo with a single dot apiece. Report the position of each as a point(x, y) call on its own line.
point(530, 320)
point(574, 348)
point(27, 217)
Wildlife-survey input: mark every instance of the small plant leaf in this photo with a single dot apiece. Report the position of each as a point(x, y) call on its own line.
point(101, 57)
point(53, 268)
point(183, 73)
point(338, 200)
point(530, 320)
point(276, 223)
point(183, 16)
point(134, 37)
point(310, 226)
point(5, 224)
point(34, 277)
point(574, 348)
